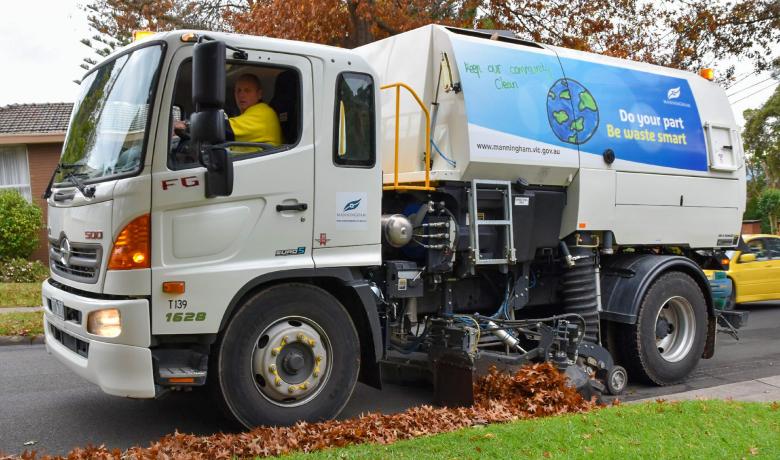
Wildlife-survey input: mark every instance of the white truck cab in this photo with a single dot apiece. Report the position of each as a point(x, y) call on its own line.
point(282, 274)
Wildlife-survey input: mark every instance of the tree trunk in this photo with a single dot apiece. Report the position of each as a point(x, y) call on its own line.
point(361, 24)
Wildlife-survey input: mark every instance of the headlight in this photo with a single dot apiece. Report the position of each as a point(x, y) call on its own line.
point(105, 323)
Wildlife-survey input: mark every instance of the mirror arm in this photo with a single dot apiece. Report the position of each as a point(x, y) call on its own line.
point(237, 53)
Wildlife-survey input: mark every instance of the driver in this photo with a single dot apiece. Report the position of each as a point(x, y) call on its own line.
point(258, 122)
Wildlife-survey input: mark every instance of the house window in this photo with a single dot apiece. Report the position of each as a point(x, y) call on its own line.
point(14, 171)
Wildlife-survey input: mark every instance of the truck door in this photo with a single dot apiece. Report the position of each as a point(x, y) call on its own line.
point(348, 175)
point(217, 245)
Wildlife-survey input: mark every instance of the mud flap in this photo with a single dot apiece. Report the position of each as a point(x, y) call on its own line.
point(709, 346)
point(453, 379)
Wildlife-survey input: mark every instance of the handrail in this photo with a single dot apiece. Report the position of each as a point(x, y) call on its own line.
point(395, 185)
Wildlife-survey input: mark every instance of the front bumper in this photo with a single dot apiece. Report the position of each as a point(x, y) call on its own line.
point(120, 366)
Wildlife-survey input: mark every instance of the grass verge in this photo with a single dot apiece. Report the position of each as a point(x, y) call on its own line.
point(692, 429)
point(20, 295)
point(28, 323)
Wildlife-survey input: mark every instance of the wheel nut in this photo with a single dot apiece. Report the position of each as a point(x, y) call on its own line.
point(300, 337)
point(272, 368)
point(278, 381)
point(291, 389)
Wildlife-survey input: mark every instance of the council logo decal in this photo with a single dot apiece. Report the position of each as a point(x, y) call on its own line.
point(352, 205)
point(572, 111)
point(352, 210)
point(673, 93)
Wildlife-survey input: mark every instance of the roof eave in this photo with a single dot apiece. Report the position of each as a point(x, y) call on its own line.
point(32, 138)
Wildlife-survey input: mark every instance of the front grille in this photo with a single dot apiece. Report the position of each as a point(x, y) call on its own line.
point(82, 265)
point(69, 314)
point(73, 344)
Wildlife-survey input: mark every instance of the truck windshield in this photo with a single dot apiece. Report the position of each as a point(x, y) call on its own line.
point(110, 118)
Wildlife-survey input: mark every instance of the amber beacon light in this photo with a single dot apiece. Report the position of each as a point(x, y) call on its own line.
point(709, 74)
point(131, 248)
point(141, 34)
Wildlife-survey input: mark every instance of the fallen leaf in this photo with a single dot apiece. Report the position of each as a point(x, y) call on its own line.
point(533, 391)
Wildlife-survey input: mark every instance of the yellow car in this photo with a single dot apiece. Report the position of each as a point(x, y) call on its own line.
point(754, 268)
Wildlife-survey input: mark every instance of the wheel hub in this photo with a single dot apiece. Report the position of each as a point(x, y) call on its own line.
point(291, 361)
point(675, 329)
point(662, 328)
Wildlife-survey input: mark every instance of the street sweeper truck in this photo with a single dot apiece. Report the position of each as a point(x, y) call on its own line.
point(425, 206)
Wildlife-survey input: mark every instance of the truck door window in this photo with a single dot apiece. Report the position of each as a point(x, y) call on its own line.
point(354, 137)
point(278, 127)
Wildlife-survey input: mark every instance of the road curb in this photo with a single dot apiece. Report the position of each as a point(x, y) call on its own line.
point(21, 340)
point(4, 310)
point(765, 389)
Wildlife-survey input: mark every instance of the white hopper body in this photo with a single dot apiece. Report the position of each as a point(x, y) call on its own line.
point(551, 116)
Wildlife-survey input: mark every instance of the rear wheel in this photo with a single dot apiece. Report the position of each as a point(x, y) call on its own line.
point(291, 353)
point(668, 339)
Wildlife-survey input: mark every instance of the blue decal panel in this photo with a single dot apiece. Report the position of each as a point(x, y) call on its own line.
point(643, 117)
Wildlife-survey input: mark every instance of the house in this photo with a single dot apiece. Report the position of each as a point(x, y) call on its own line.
point(751, 227)
point(31, 139)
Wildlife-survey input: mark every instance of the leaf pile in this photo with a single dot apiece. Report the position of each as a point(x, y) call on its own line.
point(534, 391)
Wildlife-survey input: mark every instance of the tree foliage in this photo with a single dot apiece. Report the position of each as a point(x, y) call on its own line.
point(686, 34)
point(349, 23)
point(20, 222)
point(769, 205)
point(761, 138)
point(113, 21)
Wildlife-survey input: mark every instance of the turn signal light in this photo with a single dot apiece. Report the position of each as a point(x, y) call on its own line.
point(709, 74)
point(173, 287)
point(132, 246)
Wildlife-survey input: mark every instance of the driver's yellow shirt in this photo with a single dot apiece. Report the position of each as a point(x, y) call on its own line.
point(258, 123)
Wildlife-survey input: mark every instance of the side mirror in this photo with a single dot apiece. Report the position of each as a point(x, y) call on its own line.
point(208, 75)
point(747, 257)
point(219, 172)
point(207, 124)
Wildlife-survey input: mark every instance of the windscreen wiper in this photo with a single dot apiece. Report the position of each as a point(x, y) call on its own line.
point(60, 167)
point(88, 192)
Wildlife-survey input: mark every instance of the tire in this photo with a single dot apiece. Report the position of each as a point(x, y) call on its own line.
point(291, 353)
point(733, 297)
point(668, 339)
point(616, 381)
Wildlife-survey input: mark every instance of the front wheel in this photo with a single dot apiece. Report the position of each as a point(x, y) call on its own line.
point(668, 339)
point(291, 353)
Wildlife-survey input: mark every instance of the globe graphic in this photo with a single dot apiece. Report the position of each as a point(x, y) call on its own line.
point(572, 111)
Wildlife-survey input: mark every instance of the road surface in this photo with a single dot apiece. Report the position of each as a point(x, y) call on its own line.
point(41, 401)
